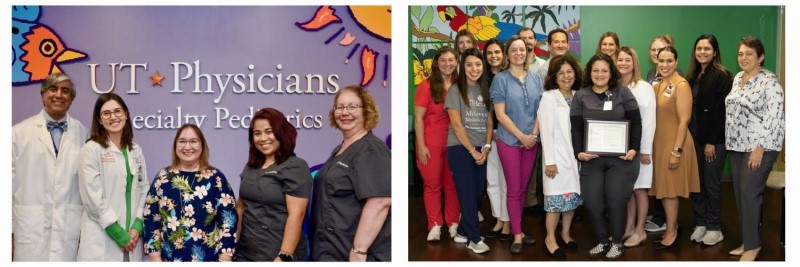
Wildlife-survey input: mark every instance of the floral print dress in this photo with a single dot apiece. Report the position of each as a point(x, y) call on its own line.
point(190, 216)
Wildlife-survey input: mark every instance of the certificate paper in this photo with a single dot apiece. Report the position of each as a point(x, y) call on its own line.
point(606, 138)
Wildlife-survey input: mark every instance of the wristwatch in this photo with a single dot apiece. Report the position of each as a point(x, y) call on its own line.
point(678, 149)
point(285, 256)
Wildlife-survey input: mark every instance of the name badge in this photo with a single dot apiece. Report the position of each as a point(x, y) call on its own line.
point(109, 157)
point(668, 92)
point(607, 105)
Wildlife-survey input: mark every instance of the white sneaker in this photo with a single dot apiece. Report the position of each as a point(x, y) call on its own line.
point(460, 239)
point(478, 248)
point(698, 233)
point(650, 226)
point(435, 233)
point(453, 229)
point(712, 237)
point(480, 217)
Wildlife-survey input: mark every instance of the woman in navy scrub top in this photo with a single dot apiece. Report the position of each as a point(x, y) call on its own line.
point(351, 215)
point(274, 193)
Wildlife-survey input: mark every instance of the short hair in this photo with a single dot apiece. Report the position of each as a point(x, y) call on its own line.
point(511, 40)
point(754, 43)
point(613, 81)
point(435, 81)
point(370, 109)
point(637, 67)
point(204, 165)
point(284, 132)
point(55, 78)
point(495, 41)
point(551, 79)
point(554, 31)
point(99, 134)
point(614, 36)
point(526, 29)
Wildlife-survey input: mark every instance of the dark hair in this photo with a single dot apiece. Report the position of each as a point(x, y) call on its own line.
point(523, 29)
point(370, 109)
point(499, 43)
point(284, 132)
point(463, 33)
point(613, 81)
point(435, 81)
point(554, 31)
point(614, 36)
point(204, 165)
point(511, 40)
point(551, 80)
point(637, 67)
point(754, 43)
point(669, 49)
point(716, 63)
point(99, 134)
point(483, 81)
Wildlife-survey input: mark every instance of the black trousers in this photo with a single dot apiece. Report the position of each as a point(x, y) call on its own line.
point(707, 203)
point(606, 186)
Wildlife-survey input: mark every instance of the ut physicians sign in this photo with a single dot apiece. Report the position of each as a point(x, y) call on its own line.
point(211, 66)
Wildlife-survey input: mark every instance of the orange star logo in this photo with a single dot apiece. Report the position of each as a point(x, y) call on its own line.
point(156, 78)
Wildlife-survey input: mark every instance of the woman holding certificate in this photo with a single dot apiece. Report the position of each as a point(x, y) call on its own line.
point(606, 181)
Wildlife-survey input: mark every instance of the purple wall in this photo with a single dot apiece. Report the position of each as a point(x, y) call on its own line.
point(235, 41)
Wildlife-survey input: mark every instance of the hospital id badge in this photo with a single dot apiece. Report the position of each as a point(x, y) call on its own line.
point(607, 105)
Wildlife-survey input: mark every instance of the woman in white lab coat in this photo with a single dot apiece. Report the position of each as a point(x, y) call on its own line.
point(561, 186)
point(113, 185)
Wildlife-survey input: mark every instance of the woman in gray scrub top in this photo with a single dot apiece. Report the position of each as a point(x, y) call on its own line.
point(274, 193)
point(351, 208)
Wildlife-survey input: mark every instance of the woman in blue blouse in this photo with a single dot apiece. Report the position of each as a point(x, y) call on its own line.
point(190, 209)
point(754, 131)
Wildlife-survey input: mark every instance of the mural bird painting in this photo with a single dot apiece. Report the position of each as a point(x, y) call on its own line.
point(36, 49)
point(482, 27)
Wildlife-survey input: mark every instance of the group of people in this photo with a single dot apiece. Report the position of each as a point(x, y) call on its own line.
point(84, 195)
point(483, 118)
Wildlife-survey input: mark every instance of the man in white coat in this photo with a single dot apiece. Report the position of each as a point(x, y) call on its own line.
point(46, 203)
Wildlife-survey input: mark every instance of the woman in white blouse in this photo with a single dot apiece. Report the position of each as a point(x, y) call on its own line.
point(754, 131)
point(631, 71)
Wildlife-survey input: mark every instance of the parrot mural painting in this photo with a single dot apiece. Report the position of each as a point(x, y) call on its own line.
point(36, 49)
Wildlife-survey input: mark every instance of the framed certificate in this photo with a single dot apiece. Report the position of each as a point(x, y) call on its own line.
point(606, 138)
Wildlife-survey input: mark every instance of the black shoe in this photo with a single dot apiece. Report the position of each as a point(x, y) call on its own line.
point(506, 237)
point(493, 233)
point(558, 253)
point(516, 248)
point(527, 240)
point(571, 245)
point(661, 246)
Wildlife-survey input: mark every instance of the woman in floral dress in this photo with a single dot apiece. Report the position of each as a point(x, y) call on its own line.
point(190, 210)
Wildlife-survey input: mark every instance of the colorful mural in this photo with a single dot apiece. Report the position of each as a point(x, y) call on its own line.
point(436, 26)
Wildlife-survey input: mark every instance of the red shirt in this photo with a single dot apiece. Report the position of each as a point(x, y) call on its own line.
point(435, 120)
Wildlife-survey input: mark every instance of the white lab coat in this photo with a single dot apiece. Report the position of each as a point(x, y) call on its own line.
point(646, 97)
point(102, 187)
point(554, 125)
point(46, 203)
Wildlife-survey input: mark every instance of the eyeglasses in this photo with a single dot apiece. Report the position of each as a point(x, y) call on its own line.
point(566, 73)
point(350, 108)
point(119, 113)
point(184, 142)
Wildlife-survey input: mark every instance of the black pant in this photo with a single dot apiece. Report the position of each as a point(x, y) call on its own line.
point(606, 186)
point(707, 203)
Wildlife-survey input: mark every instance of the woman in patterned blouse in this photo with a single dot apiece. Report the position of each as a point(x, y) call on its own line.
point(754, 130)
point(190, 210)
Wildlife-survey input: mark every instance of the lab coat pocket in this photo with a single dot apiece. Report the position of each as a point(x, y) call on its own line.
point(73, 227)
point(29, 225)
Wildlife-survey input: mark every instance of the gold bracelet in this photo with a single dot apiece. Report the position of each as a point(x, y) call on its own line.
point(359, 252)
